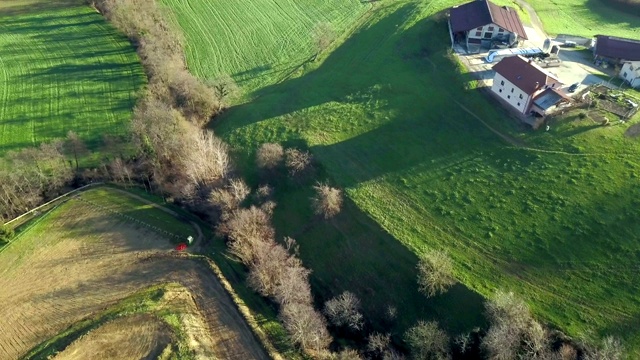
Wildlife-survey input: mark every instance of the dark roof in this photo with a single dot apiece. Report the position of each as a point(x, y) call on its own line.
point(482, 12)
point(548, 98)
point(617, 48)
point(527, 76)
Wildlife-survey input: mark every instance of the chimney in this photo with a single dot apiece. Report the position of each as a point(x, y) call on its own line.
point(537, 85)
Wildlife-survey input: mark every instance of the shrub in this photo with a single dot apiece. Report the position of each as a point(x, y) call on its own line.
point(427, 341)
point(435, 273)
point(6, 233)
point(297, 162)
point(344, 310)
point(582, 115)
point(327, 202)
point(269, 156)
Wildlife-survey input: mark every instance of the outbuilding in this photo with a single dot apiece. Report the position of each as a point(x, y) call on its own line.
point(486, 24)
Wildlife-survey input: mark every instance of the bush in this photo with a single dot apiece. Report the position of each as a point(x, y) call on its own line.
point(344, 310)
point(582, 115)
point(327, 202)
point(298, 162)
point(6, 233)
point(435, 273)
point(428, 342)
point(269, 156)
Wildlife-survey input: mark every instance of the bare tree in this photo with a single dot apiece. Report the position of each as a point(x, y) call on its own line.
point(246, 229)
point(428, 342)
point(269, 156)
point(346, 354)
point(435, 273)
point(297, 162)
point(327, 201)
point(207, 158)
point(378, 343)
point(566, 352)
point(610, 349)
point(75, 146)
point(294, 287)
point(268, 268)
point(344, 310)
point(306, 326)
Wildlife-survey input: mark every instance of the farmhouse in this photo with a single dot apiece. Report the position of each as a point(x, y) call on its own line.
point(526, 86)
point(630, 71)
point(486, 24)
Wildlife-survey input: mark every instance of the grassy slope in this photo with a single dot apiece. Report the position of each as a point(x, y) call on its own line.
point(382, 114)
point(586, 18)
point(63, 68)
point(278, 32)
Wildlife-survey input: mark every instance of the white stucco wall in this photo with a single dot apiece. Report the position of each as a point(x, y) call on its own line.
point(510, 93)
point(485, 29)
point(630, 71)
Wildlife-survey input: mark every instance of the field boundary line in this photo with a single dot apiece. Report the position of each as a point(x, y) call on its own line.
point(52, 201)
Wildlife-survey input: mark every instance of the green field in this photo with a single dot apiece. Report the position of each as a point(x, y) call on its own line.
point(63, 68)
point(549, 215)
point(587, 18)
point(277, 33)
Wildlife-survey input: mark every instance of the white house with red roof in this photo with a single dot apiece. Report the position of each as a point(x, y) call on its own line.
point(526, 86)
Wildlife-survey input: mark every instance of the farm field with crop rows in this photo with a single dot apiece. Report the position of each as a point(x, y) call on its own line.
point(551, 215)
point(89, 254)
point(256, 42)
point(63, 68)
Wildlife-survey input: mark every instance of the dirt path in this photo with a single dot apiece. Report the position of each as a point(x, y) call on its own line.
point(535, 20)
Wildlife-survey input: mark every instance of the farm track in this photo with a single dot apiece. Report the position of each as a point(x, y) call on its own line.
point(81, 261)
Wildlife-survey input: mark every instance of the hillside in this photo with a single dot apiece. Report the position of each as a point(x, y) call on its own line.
point(549, 215)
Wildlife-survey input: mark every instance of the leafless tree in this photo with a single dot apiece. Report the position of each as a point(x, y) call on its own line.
point(246, 228)
point(609, 349)
point(229, 197)
point(346, 354)
point(294, 287)
point(435, 273)
point(268, 269)
point(306, 326)
point(269, 156)
point(566, 352)
point(207, 158)
point(263, 193)
point(297, 162)
point(75, 146)
point(344, 310)
point(378, 343)
point(327, 201)
point(428, 342)
point(120, 171)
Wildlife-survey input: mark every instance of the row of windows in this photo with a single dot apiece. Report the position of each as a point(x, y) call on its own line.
point(491, 28)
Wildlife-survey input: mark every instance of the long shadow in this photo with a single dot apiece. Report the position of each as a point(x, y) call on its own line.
point(610, 13)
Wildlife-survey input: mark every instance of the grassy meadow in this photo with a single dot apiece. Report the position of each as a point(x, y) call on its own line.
point(587, 18)
point(420, 150)
point(260, 42)
point(63, 67)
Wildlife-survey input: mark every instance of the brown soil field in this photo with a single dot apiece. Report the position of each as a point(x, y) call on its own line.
point(131, 337)
point(78, 260)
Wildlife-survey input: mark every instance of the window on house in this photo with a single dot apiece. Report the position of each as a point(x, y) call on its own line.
point(508, 96)
point(490, 28)
point(500, 90)
point(478, 33)
point(502, 82)
point(625, 74)
point(631, 67)
point(520, 96)
point(480, 28)
point(512, 89)
point(518, 104)
point(500, 30)
point(488, 35)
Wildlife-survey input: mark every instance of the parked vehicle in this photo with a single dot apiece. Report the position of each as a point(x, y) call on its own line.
point(573, 87)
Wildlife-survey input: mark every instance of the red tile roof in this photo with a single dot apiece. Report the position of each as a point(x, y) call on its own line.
point(483, 12)
point(617, 48)
point(527, 76)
